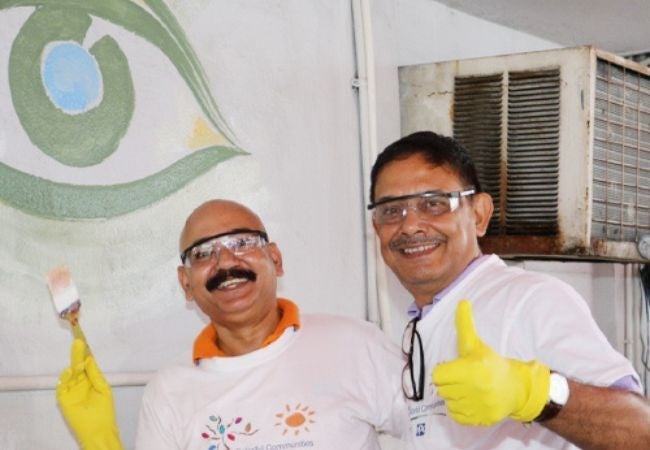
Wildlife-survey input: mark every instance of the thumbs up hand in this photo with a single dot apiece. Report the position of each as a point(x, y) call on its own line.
point(482, 387)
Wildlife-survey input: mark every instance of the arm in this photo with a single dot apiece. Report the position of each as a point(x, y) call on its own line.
point(603, 418)
point(86, 401)
point(482, 388)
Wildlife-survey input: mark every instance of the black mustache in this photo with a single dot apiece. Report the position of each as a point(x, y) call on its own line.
point(223, 274)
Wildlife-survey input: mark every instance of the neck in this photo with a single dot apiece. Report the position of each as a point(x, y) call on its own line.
point(425, 293)
point(235, 340)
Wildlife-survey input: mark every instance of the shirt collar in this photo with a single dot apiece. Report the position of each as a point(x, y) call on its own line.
point(413, 309)
point(205, 344)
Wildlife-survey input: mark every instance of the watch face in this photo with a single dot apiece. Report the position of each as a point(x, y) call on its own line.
point(559, 392)
point(643, 245)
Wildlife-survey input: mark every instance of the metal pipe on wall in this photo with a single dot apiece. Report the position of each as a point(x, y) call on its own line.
point(49, 382)
point(378, 302)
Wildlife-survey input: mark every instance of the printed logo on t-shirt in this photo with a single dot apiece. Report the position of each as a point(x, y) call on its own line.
point(295, 419)
point(423, 411)
point(221, 432)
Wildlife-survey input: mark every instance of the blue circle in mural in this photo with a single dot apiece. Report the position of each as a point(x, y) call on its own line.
point(71, 78)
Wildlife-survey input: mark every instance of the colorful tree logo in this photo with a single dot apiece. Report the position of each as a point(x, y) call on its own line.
point(224, 433)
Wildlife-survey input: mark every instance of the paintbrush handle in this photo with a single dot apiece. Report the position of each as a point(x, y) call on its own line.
point(77, 332)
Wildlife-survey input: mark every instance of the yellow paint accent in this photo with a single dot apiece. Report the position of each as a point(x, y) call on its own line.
point(204, 136)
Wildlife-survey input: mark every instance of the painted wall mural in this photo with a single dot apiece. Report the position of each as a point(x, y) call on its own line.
point(74, 95)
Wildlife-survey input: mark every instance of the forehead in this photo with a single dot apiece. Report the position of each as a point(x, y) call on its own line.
point(216, 218)
point(413, 175)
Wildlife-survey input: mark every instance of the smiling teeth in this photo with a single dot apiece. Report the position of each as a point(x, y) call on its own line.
point(421, 248)
point(232, 282)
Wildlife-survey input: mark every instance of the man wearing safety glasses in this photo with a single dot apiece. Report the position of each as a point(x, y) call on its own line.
point(488, 344)
point(264, 376)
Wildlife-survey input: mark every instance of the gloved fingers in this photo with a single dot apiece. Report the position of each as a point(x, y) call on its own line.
point(73, 379)
point(472, 411)
point(96, 377)
point(458, 371)
point(468, 339)
point(64, 380)
point(459, 417)
point(461, 413)
point(65, 376)
point(77, 355)
point(453, 392)
point(474, 419)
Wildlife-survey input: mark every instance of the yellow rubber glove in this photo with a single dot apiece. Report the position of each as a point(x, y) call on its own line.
point(482, 387)
point(86, 401)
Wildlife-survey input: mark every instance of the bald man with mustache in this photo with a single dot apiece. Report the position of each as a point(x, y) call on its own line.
point(263, 375)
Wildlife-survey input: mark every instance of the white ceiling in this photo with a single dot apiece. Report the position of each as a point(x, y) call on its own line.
point(618, 26)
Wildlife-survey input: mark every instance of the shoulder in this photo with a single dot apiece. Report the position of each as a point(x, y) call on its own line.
point(345, 333)
point(330, 323)
point(495, 275)
point(170, 378)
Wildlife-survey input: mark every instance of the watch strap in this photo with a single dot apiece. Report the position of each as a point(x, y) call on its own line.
point(552, 408)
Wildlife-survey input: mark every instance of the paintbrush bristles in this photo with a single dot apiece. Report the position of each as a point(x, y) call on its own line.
point(63, 291)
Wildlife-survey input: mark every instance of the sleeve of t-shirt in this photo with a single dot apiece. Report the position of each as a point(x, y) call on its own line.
point(154, 431)
point(384, 384)
point(554, 325)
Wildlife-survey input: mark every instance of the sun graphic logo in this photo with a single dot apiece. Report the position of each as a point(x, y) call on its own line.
point(295, 419)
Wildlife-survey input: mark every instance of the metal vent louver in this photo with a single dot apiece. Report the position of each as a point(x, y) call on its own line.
point(528, 204)
point(477, 125)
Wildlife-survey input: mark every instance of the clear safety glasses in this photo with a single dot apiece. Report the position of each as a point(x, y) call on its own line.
point(238, 242)
point(429, 204)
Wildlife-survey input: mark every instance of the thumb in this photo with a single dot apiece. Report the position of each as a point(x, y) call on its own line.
point(468, 338)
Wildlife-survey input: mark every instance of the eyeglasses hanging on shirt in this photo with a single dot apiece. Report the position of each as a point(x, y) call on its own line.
point(413, 372)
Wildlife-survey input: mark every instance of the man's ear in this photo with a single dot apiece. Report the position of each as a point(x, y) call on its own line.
point(184, 281)
point(483, 208)
point(276, 257)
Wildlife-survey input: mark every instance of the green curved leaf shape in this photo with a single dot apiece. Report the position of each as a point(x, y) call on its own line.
point(45, 198)
point(162, 31)
point(75, 140)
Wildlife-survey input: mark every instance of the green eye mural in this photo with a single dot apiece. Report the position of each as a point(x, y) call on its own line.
point(76, 105)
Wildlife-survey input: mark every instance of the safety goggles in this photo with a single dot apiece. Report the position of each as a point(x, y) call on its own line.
point(429, 204)
point(238, 242)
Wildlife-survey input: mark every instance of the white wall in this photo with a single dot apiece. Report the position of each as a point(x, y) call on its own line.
point(281, 71)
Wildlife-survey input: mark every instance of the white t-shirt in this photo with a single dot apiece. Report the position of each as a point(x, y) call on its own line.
point(522, 315)
point(329, 385)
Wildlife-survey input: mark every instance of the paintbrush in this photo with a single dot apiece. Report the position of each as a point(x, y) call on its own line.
point(66, 299)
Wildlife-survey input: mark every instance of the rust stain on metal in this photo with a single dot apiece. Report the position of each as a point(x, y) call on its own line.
point(521, 245)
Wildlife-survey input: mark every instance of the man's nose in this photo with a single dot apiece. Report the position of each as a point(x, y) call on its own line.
point(223, 255)
point(412, 217)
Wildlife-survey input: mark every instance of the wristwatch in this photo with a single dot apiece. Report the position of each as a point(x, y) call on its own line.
point(558, 395)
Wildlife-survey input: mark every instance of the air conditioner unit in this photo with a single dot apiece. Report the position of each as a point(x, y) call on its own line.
point(561, 139)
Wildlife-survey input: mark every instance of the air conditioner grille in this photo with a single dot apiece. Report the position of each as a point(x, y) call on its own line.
point(529, 202)
point(477, 126)
point(533, 152)
point(621, 163)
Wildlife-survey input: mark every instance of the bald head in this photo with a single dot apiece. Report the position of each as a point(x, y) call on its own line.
point(237, 285)
point(215, 217)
